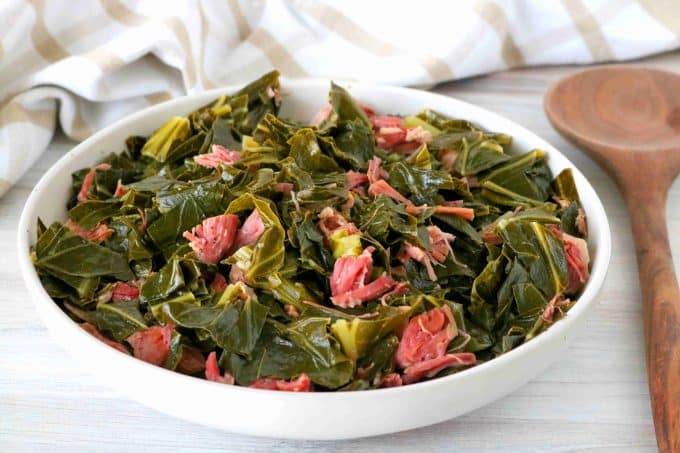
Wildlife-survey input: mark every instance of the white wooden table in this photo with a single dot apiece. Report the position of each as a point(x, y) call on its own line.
point(595, 397)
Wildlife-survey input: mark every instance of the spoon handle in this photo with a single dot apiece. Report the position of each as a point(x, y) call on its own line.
point(661, 308)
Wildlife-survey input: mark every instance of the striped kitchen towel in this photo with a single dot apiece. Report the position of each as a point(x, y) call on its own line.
point(86, 63)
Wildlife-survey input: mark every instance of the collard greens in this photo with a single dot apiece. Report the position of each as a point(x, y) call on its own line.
point(331, 244)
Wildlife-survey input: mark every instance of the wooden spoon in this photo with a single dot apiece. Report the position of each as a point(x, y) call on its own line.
point(628, 120)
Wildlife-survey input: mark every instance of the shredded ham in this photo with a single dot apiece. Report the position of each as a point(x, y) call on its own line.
point(89, 179)
point(350, 272)
point(426, 337)
point(284, 187)
point(153, 344)
point(416, 210)
point(556, 303)
point(448, 157)
point(382, 187)
point(389, 137)
point(399, 289)
point(466, 213)
point(192, 361)
point(92, 330)
point(356, 179)
point(419, 135)
point(274, 93)
point(218, 155)
point(236, 274)
point(250, 232)
point(100, 232)
point(349, 204)
point(301, 384)
point(391, 380)
point(432, 367)
point(375, 172)
point(581, 222)
point(212, 371)
point(348, 280)
point(120, 189)
point(219, 283)
point(410, 251)
point(440, 243)
point(291, 310)
point(422, 349)
point(213, 237)
point(380, 121)
point(391, 134)
point(491, 237)
point(368, 292)
point(578, 260)
point(123, 291)
point(453, 203)
point(330, 221)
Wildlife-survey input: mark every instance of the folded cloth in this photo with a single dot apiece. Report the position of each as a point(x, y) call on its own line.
point(86, 63)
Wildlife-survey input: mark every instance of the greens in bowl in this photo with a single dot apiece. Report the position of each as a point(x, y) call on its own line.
point(358, 251)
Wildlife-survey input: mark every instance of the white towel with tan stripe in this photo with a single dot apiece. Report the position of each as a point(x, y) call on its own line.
point(86, 63)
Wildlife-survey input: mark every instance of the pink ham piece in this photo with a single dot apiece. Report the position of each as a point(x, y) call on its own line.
point(330, 221)
point(389, 137)
point(416, 210)
point(123, 291)
point(350, 272)
point(426, 337)
point(356, 179)
point(301, 384)
point(213, 238)
point(284, 187)
point(380, 121)
point(375, 173)
point(218, 155)
point(382, 187)
point(120, 189)
point(92, 330)
point(418, 135)
point(391, 380)
point(466, 213)
point(153, 344)
point(236, 274)
point(448, 157)
point(87, 182)
point(422, 349)
point(440, 243)
point(578, 260)
point(349, 204)
point(348, 281)
point(432, 367)
point(401, 139)
point(250, 232)
point(409, 251)
point(212, 371)
point(399, 289)
point(192, 361)
point(368, 292)
point(100, 232)
point(219, 283)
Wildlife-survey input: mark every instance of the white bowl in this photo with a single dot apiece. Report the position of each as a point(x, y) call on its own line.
point(307, 415)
